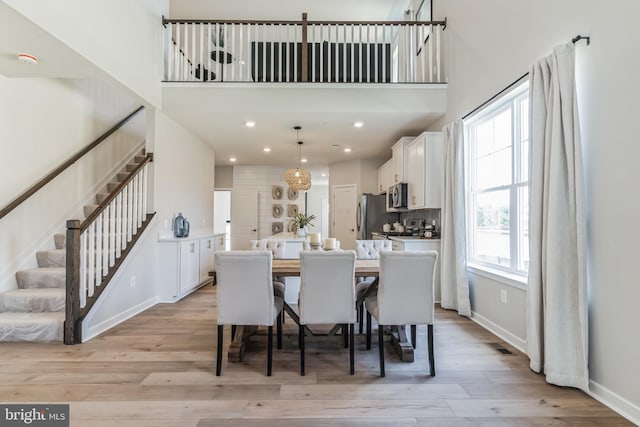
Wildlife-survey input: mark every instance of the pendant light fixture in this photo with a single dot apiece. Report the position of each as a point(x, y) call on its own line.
point(298, 178)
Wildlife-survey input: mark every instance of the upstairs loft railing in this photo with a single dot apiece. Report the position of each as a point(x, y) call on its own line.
point(303, 51)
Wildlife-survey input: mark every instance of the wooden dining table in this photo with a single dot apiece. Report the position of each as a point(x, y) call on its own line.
point(291, 268)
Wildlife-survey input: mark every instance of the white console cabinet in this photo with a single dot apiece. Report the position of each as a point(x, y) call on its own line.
point(184, 264)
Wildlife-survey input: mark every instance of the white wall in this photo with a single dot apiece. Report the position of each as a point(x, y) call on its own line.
point(315, 197)
point(42, 123)
point(224, 177)
point(184, 175)
point(121, 37)
point(496, 41)
point(262, 179)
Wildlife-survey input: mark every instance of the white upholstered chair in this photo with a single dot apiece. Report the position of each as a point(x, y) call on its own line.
point(367, 249)
point(277, 248)
point(404, 297)
point(245, 296)
point(327, 294)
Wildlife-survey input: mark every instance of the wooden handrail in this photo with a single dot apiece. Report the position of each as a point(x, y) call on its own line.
point(259, 22)
point(57, 171)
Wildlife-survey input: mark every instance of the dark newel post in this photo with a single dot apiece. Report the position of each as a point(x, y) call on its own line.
point(305, 53)
point(72, 332)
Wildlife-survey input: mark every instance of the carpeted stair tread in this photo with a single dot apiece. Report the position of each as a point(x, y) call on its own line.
point(33, 300)
point(60, 240)
point(41, 327)
point(46, 277)
point(52, 258)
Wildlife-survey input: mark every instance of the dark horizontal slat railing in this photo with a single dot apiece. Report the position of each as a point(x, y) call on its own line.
point(257, 22)
point(44, 181)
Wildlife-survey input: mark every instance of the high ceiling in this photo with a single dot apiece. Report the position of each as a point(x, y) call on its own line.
point(216, 112)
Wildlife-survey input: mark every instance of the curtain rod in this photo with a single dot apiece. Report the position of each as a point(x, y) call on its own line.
point(573, 40)
point(496, 95)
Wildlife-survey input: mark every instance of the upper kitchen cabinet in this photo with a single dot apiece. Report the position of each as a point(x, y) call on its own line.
point(399, 159)
point(385, 176)
point(425, 172)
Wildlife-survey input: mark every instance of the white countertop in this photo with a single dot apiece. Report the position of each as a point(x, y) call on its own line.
point(202, 233)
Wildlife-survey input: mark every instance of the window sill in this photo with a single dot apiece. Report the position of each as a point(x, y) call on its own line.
point(504, 277)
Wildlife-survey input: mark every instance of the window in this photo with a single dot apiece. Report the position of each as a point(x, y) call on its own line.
point(498, 183)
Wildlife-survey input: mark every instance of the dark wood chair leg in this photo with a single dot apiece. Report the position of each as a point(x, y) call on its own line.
point(361, 317)
point(413, 336)
point(219, 352)
point(301, 338)
point(269, 350)
point(345, 335)
point(233, 332)
point(279, 330)
point(368, 331)
point(381, 348)
point(351, 350)
point(432, 361)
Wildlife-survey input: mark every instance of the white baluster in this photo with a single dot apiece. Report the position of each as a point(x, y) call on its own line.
point(192, 72)
point(91, 259)
point(430, 53)
point(233, 50)
point(208, 50)
point(119, 219)
point(264, 53)
point(129, 212)
point(439, 34)
point(384, 54)
point(176, 54)
point(98, 270)
point(242, 60)
point(105, 241)
point(112, 232)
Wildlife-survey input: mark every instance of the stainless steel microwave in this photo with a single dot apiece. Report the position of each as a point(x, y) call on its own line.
point(397, 196)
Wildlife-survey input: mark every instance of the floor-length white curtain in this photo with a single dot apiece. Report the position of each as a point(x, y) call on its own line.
point(453, 257)
point(557, 329)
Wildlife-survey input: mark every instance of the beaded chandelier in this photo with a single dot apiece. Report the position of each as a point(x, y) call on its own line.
point(298, 178)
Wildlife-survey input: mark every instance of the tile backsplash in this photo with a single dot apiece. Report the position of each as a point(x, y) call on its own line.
point(425, 214)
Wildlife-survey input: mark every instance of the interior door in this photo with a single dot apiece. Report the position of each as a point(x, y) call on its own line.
point(244, 218)
point(345, 204)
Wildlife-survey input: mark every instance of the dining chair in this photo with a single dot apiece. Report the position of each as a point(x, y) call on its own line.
point(404, 297)
point(245, 296)
point(277, 248)
point(367, 249)
point(327, 295)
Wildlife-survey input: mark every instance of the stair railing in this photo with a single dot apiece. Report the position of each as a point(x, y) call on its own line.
point(97, 246)
point(304, 51)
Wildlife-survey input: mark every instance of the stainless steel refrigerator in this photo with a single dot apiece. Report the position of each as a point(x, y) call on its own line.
point(372, 214)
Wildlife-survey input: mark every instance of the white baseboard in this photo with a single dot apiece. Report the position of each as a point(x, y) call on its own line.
point(614, 401)
point(95, 330)
point(495, 329)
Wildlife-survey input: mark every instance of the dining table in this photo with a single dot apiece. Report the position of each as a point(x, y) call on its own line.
point(291, 268)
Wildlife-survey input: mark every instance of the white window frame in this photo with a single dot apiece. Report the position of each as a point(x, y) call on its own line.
point(509, 99)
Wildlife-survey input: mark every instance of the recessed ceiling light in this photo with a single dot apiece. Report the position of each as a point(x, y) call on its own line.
point(28, 58)
point(324, 174)
point(249, 124)
point(303, 160)
point(232, 159)
point(347, 150)
point(358, 124)
point(266, 149)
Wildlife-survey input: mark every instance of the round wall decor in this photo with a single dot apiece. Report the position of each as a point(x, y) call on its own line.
point(277, 227)
point(277, 210)
point(292, 210)
point(293, 194)
point(276, 192)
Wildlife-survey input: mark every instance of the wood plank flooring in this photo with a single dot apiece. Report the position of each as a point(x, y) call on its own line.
point(158, 369)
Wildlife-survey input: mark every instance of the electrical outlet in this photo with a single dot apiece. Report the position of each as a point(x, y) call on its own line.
point(133, 281)
point(503, 296)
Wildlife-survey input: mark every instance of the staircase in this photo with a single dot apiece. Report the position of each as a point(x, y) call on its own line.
point(36, 310)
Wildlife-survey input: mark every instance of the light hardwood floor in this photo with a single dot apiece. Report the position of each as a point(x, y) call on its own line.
point(158, 369)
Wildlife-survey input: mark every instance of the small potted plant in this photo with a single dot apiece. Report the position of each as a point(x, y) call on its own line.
point(300, 223)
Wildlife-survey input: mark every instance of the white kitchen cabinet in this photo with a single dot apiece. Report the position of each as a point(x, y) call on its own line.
point(207, 260)
point(425, 172)
point(385, 176)
point(183, 264)
point(399, 160)
point(417, 245)
point(220, 242)
point(189, 266)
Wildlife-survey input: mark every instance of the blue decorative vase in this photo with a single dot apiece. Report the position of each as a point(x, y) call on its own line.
point(180, 226)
